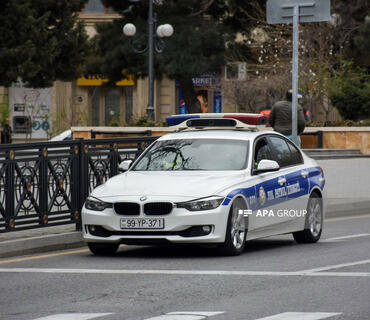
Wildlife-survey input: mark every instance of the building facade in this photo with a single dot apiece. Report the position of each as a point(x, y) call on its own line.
point(89, 101)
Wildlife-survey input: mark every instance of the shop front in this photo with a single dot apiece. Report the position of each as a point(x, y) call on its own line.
point(208, 91)
point(107, 105)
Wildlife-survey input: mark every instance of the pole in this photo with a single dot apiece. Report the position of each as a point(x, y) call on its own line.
point(295, 73)
point(150, 107)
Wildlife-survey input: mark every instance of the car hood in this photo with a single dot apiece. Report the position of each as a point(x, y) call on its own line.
point(176, 184)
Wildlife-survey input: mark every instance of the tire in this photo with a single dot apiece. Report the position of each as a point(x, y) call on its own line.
point(103, 249)
point(313, 223)
point(236, 230)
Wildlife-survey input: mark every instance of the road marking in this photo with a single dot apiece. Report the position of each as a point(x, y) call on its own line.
point(301, 316)
point(360, 235)
point(337, 274)
point(337, 266)
point(303, 273)
point(136, 271)
point(361, 216)
point(187, 315)
point(43, 256)
point(74, 316)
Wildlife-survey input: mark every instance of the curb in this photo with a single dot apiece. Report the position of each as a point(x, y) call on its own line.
point(43, 243)
point(347, 209)
point(339, 157)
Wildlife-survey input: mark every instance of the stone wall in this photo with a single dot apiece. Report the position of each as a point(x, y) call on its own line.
point(338, 138)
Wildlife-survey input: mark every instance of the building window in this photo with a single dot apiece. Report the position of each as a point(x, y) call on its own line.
point(94, 6)
point(112, 107)
point(236, 71)
point(129, 104)
point(95, 104)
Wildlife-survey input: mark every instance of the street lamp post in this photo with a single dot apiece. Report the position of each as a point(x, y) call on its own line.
point(155, 44)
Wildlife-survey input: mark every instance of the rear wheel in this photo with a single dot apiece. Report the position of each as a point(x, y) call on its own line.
point(236, 230)
point(314, 221)
point(103, 249)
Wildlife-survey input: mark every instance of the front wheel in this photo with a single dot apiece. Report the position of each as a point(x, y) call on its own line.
point(236, 230)
point(314, 222)
point(103, 249)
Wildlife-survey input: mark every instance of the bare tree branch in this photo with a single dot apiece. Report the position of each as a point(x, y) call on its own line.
point(204, 8)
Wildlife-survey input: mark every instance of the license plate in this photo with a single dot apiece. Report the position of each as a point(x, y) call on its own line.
point(142, 223)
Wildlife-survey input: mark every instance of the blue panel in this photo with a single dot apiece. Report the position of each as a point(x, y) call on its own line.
point(261, 195)
point(297, 186)
point(182, 105)
point(314, 175)
point(269, 193)
point(174, 120)
point(217, 101)
point(249, 193)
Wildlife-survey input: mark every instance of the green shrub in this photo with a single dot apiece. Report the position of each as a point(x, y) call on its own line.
point(4, 113)
point(350, 92)
point(145, 122)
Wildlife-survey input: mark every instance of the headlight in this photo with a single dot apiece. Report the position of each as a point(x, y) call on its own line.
point(201, 204)
point(96, 204)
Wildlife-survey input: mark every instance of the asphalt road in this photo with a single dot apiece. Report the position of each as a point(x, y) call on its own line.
point(275, 279)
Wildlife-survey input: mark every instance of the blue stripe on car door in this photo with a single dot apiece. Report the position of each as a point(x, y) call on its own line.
point(295, 181)
point(314, 175)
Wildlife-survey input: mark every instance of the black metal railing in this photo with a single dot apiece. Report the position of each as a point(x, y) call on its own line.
point(46, 184)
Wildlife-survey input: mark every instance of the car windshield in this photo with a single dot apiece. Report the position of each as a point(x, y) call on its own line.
point(194, 154)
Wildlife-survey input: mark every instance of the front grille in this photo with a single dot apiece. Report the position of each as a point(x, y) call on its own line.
point(127, 208)
point(158, 208)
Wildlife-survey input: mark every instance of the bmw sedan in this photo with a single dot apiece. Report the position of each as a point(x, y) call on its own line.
point(219, 186)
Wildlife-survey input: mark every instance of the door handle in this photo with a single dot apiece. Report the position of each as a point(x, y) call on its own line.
point(281, 181)
point(304, 173)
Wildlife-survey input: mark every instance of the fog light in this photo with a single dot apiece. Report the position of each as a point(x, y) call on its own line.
point(99, 231)
point(206, 229)
point(197, 231)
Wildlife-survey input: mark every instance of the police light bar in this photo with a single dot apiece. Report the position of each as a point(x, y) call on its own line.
point(208, 122)
point(213, 123)
point(247, 118)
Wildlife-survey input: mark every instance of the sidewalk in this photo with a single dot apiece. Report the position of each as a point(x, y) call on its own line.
point(39, 240)
point(348, 193)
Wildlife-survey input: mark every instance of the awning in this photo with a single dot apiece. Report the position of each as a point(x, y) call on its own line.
point(99, 79)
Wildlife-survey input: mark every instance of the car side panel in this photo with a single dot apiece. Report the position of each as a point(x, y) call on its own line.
point(264, 194)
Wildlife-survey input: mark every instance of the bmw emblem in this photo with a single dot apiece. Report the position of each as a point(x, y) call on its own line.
point(143, 198)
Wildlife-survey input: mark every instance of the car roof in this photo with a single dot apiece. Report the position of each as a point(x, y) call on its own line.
point(216, 134)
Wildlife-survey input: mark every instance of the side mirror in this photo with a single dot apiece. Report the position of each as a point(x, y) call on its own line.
point(125, 165)
point(267, 166)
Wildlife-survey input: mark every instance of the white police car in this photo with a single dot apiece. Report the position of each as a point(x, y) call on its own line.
point(217, 181)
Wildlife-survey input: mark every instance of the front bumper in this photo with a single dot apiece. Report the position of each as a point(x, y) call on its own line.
point(181, 226)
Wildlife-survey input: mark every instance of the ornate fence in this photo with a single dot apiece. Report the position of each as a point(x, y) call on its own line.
point(46, 184)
